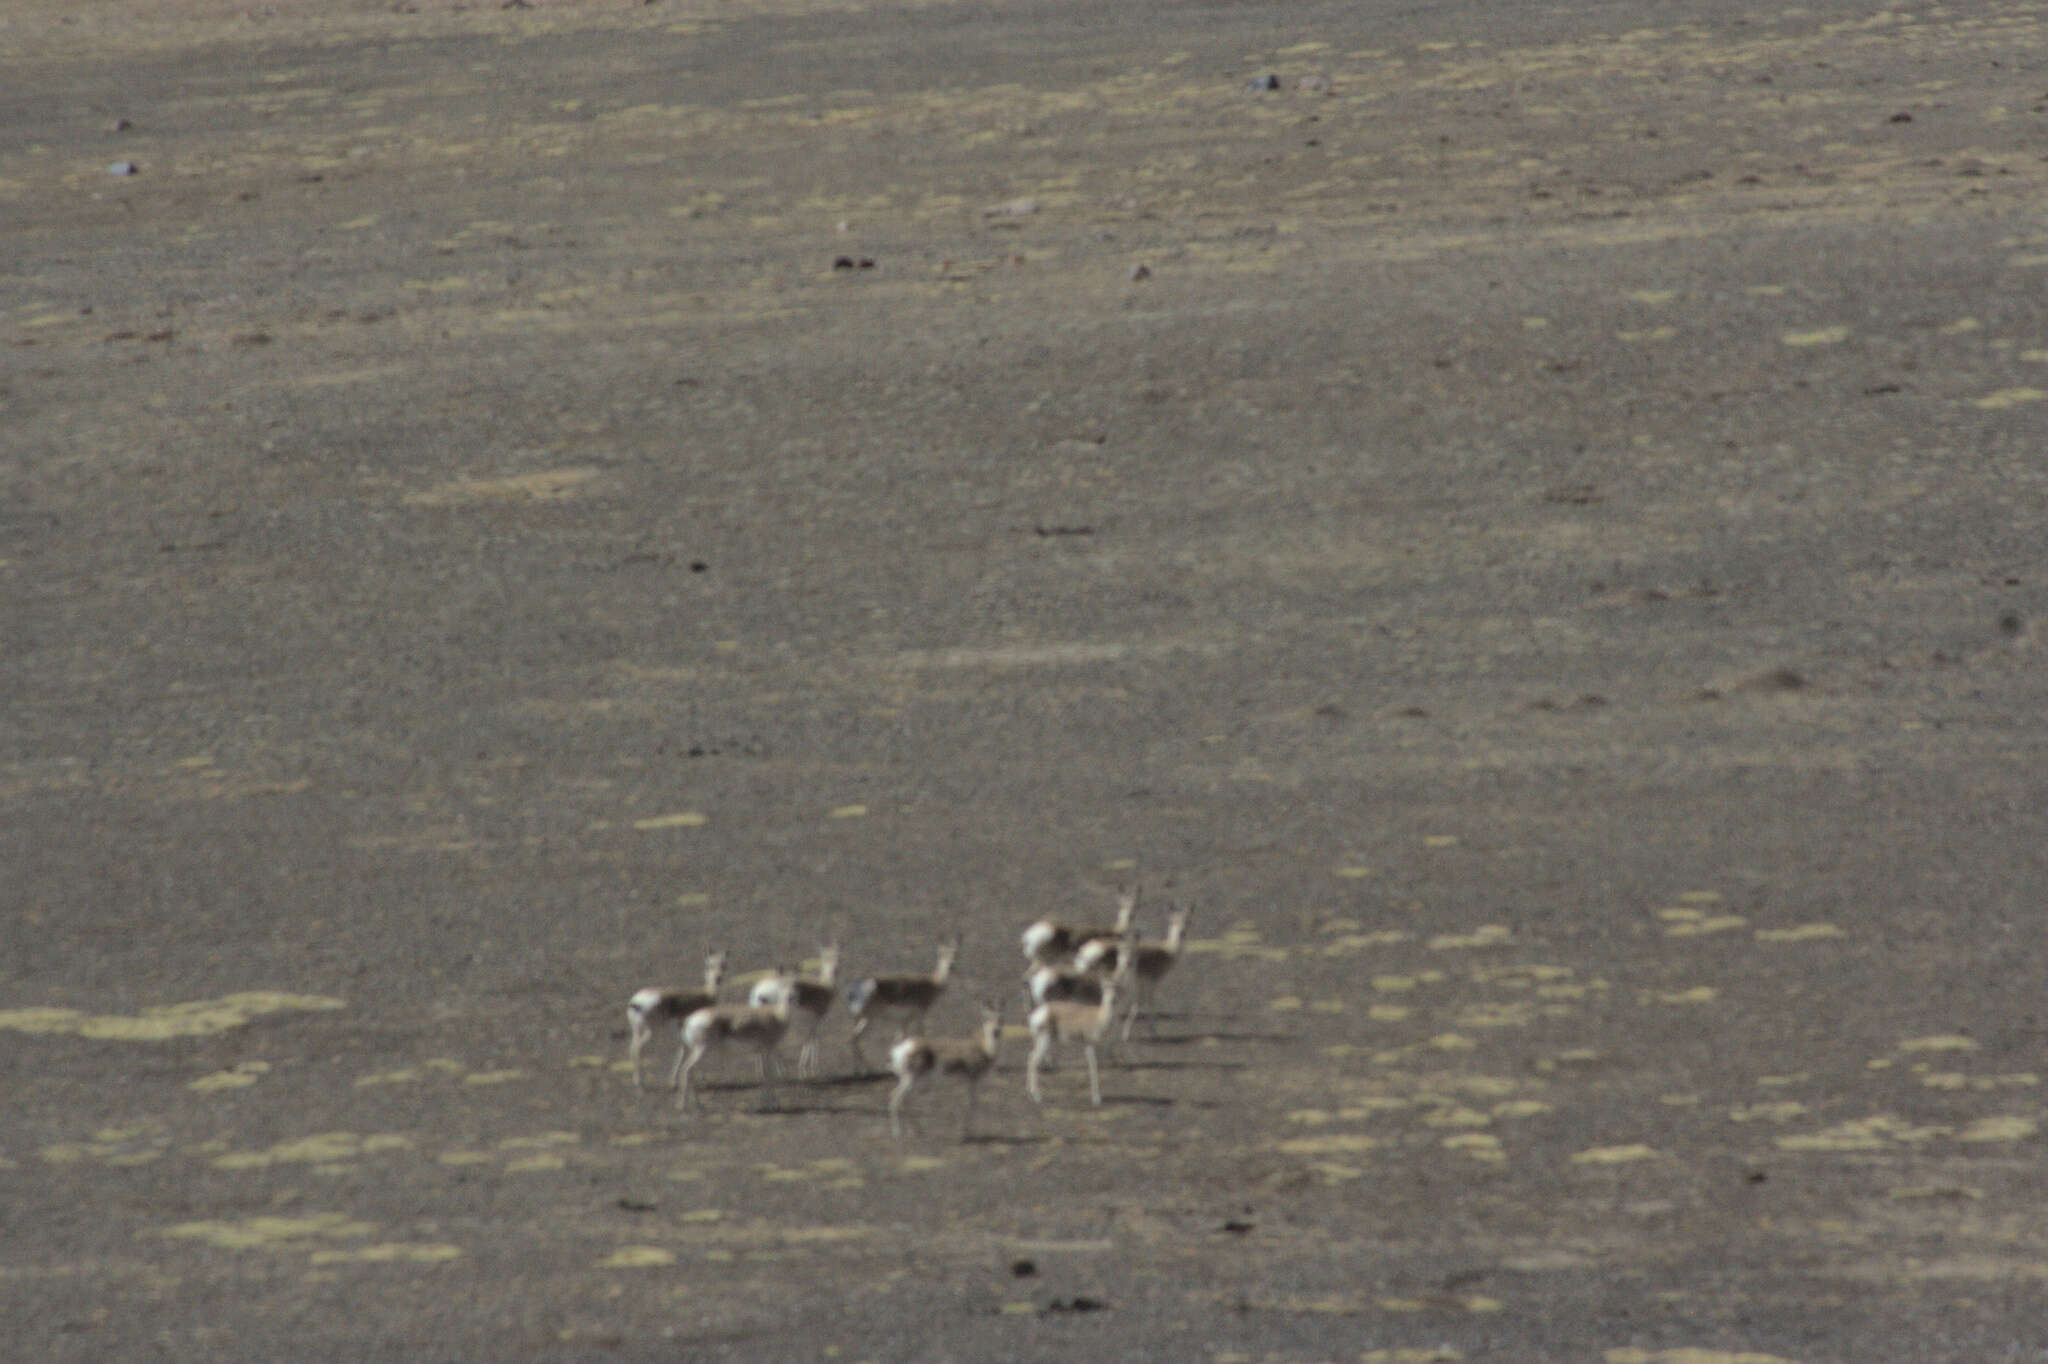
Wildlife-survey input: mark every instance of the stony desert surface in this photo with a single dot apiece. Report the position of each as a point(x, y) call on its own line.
point(1530, 519)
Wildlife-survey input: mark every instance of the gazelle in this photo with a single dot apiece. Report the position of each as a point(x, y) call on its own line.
point(743, 1025)
point(1070, 1020)
point(1049, 942)
point(969, 1058)
point(1149, 962)
point(650, 1008)
point(812, 999)
point(1045, 984)
point(906, 999)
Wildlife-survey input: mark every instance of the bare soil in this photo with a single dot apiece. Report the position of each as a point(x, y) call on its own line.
point(1533, 521)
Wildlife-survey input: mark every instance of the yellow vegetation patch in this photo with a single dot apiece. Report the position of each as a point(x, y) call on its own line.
point(2010, 397)
point(321, 1148)
point(1865, 1134)
point(637, 1257)
point(1337, 1143)
point(1347, 944)
point(1819, 336)
point(545, 485)
point(1614, 1155)
point(1479, 1146)
point(268, 1233)
point(1686, 1354)
point(235, 1077)
point(1801, 933)
point(1697, 925)
point(1691, 1355)
point(540, 1142)
point(1503, 1015)
point(195, 1019)
point(1777, 1112)
point(1486, 935)
point(682, 819)
point(1943, 1042)
point(391, 1253)
point(1239, 942)
point(2008, 1128)
point(135, 1145)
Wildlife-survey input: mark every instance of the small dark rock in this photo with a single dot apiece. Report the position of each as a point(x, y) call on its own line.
point(1023, 1269)
point(1259, 85)
point(124, 168)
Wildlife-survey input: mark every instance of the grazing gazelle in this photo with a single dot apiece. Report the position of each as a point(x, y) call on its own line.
point(1049, 942)
point(812, 999)
point(650, 1008)
point(1149, 963)
point(1071, 1020)
point(969, 1058)
point(742, 1025)
point(905, 999)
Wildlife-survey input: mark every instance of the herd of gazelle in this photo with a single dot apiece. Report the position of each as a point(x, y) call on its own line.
point(1078, 979)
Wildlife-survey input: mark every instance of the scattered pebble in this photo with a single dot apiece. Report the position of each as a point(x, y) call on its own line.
point(1139, 272)
point(1014, 208)
point(124, 168)
point(1315, 85)
point(120, 125)
point(853, 262)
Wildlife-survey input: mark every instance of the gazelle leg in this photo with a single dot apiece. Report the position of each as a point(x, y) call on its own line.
point(896, 1106)
point(1039, 1047)
point(685, 1064)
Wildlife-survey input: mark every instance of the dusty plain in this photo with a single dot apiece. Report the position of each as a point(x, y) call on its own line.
point(1548, 555)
